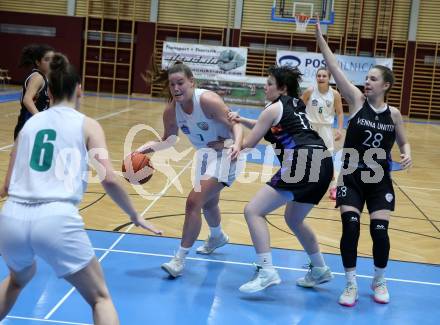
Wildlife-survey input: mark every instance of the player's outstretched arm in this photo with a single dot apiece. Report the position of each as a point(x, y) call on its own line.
point(246, 122)
point(351, 93)
point(95, 141)
point(264, 123)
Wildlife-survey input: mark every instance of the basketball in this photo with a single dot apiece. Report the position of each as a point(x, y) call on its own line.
point(137, 168)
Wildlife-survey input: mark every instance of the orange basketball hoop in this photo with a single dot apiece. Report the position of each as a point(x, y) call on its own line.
point(301, 22)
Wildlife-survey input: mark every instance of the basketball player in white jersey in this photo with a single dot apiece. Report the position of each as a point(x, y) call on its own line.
point(45, 181)
point(202, 116)
point(322, 101)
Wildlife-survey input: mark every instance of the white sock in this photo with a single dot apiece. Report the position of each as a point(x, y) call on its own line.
point(317, 259)
point(216, 231)
point(351, 276)
point(265, 260)
point(378, 272)
point(182, 252)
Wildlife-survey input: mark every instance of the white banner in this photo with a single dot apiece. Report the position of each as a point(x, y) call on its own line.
point(206, 61)
point(236, 89)
point(354, 67)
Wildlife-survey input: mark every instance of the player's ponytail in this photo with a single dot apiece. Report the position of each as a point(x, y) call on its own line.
point(63, 78)
point(159, 76)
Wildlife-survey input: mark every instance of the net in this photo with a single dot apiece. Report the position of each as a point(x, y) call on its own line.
point(301, 22)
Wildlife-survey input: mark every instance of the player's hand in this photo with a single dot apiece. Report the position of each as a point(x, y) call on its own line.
point(3, 191)
point(318, 31)
point(234, 151)
point(138, 221)
point(233, 117)
point(146, 148)
point(405, 161)
point(338, 135)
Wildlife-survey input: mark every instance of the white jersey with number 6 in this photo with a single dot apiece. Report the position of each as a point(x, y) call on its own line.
point(51, 158)
point(320, 107)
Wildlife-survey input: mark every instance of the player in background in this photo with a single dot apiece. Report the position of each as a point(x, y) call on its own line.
point(322, 102)
point(34, 97)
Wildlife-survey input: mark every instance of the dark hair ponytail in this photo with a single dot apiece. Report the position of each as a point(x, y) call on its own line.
point(32, 53)
point(63, 77)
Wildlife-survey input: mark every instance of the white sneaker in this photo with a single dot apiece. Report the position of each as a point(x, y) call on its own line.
point(174, 267)
point(350, 295)
point(315, 275)
point(212, 243)
point(381, 294)
point(262, 279)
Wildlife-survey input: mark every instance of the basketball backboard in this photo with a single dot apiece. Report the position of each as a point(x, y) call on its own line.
point(288, 10)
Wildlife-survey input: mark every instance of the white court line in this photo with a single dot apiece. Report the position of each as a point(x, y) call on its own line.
point(252, 264)
point(55, 308)
point(7, 147)
point(98, 119)
point(420, 188)
point(46, 320)
point(113, 114)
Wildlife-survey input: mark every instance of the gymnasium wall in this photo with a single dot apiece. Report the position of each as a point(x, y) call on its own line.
point(67, 39)
point(417, 63)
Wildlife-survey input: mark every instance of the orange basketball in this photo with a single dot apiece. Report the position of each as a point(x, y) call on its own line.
point(137, 168)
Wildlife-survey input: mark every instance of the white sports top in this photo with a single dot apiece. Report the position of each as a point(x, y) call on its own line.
point(320, 107)
point(197, 127)
point(51, 159)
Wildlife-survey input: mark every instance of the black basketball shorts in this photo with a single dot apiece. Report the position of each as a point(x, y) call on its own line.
point(355, 192)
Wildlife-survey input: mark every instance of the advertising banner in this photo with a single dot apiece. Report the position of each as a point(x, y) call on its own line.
point(354, 67)
point(239, 90)
point(206, 61)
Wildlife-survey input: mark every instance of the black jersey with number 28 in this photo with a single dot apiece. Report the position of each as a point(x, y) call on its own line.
point(371, 130)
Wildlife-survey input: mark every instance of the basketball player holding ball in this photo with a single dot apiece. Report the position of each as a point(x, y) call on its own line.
point(202, 116)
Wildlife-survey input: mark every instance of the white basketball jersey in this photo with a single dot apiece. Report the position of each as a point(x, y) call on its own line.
point(51, 160)
point(197, 127)
point(320, 107)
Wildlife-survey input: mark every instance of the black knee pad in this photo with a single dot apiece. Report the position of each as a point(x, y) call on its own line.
point(351, 229)
point(381, 242)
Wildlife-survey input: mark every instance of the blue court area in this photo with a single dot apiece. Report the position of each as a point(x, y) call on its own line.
point(208, 293)
point(9, 96)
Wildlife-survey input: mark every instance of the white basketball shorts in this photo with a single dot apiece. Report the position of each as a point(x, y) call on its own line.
point(53, 231)
point(325, 131)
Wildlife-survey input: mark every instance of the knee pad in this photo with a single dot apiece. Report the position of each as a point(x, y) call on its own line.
point(381, 242)
point(351, 229)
